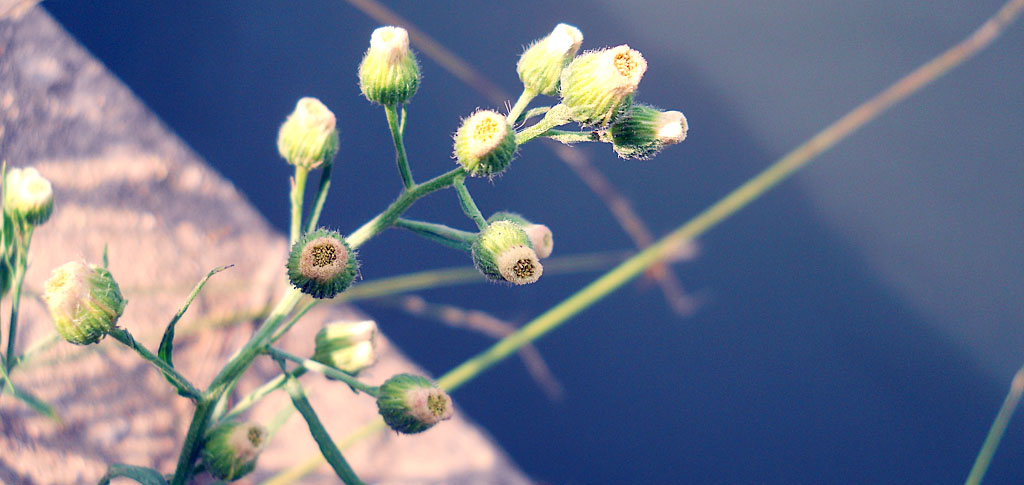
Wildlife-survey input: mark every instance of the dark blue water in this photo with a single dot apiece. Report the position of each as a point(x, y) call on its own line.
point(800, 366)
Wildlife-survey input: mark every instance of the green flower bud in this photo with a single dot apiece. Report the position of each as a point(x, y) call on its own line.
point(28, 196)
point(231, 449)
point(644, 130)
point(485, 143)
point(389, 74)
point(597, 85)
point(503, 253)
point(308, 137)
point(347, 346)
point(540, 236)
point(321, 264)
point(84, 301)
point(412, 404)
point(540, 66)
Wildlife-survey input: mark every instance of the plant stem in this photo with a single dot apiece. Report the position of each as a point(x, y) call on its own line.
point(556, 116)
point(22, 242)
point(324, 369)
point(298, 193)
point(321, 197)
point(569, 137)
point(466, 203)
point(995, 433)
point(180, 382)
point(254, 397)
point(397, 137)
point(329, 451)
point(193, 441)
point(521, 104)
point(385, 219)
point(439, 233)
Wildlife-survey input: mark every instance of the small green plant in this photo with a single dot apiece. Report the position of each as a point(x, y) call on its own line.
point(595, 89)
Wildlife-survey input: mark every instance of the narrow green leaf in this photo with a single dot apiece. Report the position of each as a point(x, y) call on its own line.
point(143, 475)
point(167, 342)
point(40, 406)
point(327, 447)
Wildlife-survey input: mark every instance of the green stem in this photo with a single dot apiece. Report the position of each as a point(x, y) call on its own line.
point(261, 392)
point(521, 104)
point(396, 136)
point(327, 448)
point(193, 441)
point(995, 433)
point(23, 241)
point(558, 115)
point(324, 369)
point(385, 219)
point(321, 197)
point(439, 233)
point(468, 206)
point(180, 382)
point(298, 193)
point(569, 137)
point(295, 319)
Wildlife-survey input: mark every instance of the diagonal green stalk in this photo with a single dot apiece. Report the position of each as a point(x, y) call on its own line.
point(521, 104)
point(179, 381)
point(330, 452)
point(558, 115)
point(321, 197)
point(996, 431)
point(326, 370)
point(397, 133)
point(466, 203)
point(23, 240)
point(263, 391)
point(439, 233)
point(385, 219)
point(297, 195)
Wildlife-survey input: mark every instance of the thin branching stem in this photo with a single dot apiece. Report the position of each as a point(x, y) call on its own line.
point(397, 136)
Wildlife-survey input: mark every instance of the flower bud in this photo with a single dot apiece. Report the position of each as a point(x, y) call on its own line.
point(485, 143)
point(321, 264)
point(540, 236)
point(412, 404)
point(231, 449)
point(28, 196)
point(597, 85)
point(644, 130)
point(347, 346)
point(308, 137)
point(84, 301)
point(540, 66)
point(389, 74)
point(503, 253)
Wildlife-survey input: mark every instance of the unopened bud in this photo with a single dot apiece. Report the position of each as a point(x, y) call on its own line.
point(503, 253)
point(347, 346)
point(389, 74)
point(308, 137)
point(84, 301)
point(643, 131)
point(412, 404)
point(321, 264)
point(28, 196)
point(540, 236)
point(597, 85)
point(485, 143)
point(540, 67)
point(231, 449)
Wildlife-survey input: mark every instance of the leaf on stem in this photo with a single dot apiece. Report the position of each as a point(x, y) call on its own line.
point(167, 342)
point(143, 475)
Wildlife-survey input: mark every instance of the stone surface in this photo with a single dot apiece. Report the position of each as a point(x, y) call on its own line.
point(122, 180)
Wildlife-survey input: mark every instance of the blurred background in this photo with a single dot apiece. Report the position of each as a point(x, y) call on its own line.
point(859, 324)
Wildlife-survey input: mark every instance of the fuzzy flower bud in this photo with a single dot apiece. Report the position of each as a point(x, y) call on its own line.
point(231, 449)
point(347, 346)
point(84, 301)
point(308, 137)
point(503, 253)
point(28, 196)
point(321, 264)
point(485, 143)
point(412, 404)
point(389, 74)
point(540, 236)
point(597, 85)
point(644, 130)
point(540, 67)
